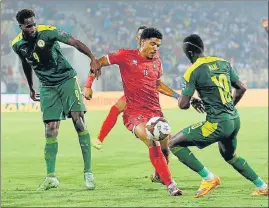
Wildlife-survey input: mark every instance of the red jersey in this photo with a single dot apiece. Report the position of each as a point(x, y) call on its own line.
point(139, 77)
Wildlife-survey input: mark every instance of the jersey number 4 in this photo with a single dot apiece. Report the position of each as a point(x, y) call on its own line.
point(224, 90)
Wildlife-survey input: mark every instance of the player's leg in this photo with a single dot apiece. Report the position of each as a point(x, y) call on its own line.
point(85, 145)
point(74, 107)
point(157, 159)
point(155, 177)
point(194, 136)
point(52, 114)
point(227, 148)
point(109, 122)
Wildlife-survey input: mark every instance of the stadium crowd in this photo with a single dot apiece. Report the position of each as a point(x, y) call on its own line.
point(231, 31)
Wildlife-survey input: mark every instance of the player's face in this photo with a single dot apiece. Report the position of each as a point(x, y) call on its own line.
point(29, 27)
point(187, 53)
point(149, 47)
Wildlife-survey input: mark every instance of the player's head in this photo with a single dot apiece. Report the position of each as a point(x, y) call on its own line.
point(151, 39)
point(26, 20)
point(193, 47)
point(139, 32)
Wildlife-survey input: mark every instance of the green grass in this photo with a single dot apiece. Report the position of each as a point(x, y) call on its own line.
point(122, 167)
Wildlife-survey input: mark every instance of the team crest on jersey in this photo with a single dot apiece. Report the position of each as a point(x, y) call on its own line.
point(154, 66)
point(134, 62)
point(41, 43)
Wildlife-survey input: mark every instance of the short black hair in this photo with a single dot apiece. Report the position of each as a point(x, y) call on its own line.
point(142, 27)
point(24, 14)
point(151, 32)
point(194, 43)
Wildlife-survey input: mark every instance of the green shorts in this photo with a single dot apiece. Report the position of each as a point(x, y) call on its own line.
point(58, 101)
point(206, 133)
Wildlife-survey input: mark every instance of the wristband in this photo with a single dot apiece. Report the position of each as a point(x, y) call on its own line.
point(175, 95)
point(89, 82)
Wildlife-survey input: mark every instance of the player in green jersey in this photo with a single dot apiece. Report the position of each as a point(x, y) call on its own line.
point(213, 78)
point(60, 94)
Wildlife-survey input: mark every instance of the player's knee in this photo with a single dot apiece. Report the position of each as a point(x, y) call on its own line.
point(79, 123)
point(120, 105)
point(227, 155)
point(165, 152)
point(176, 140)
point(51, 130)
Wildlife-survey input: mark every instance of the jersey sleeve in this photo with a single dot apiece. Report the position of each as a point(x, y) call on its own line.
point(233, 75)
point(188, 84)
point(59, 35)
point(116, 57)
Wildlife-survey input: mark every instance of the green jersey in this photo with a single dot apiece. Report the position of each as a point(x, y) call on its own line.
point(45, 56)
point(212, 78)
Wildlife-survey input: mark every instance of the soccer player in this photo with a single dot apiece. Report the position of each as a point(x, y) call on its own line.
point(141, 72)
point(213, 78)
point(60, 94)
point(118, 108)
point(265, 24)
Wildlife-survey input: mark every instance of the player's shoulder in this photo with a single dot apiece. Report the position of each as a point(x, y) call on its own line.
point(43, 28)
point(17, 40)
point(201, 63)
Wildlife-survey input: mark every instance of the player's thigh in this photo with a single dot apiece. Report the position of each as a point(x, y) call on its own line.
point(202, 134)
point(140, 132)
point(121, 104)
point(71, 96)
point(51, 104)
point(227, 146)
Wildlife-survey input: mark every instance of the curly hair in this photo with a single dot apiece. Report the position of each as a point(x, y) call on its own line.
point(24, 14)
point(151, 32)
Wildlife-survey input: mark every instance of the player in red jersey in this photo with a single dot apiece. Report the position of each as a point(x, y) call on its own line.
point(141, 71)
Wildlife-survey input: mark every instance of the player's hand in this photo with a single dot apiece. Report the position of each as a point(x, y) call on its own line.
point(34, 96)
point(88, 93)
point(95, 67)
point(198, 105)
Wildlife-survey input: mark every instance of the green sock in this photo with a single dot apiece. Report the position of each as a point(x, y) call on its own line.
point(186, 156)
point(85, 145)
point(243, 168)
point(51, 149)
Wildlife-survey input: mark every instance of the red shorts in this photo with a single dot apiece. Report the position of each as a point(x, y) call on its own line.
point(123, 98)
point(131, 120)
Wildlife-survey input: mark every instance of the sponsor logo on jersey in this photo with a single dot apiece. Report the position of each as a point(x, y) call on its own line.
point(134, 62)
point(41, 43)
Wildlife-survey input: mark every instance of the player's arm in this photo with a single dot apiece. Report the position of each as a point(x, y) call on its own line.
point(186, 98)
point(29, 76)
point(94, 74)
point(69, 40)
point(164, 89)
point(240, 88)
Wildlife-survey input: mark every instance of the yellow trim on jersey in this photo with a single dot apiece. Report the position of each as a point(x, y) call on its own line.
point(208, 128)
point(17, 39)
point(199, 62)
point(45, 27)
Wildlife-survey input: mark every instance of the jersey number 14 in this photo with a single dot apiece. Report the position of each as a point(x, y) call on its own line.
point(224, 90)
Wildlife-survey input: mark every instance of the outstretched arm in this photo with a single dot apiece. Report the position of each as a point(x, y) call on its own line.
point(164, 89)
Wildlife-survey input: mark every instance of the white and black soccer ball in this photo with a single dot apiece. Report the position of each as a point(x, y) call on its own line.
point(158, 128)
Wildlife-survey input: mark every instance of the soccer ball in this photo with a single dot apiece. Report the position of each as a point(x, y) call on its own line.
point(158, 128)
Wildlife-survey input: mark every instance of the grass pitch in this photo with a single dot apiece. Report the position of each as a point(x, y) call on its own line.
point(122, 168)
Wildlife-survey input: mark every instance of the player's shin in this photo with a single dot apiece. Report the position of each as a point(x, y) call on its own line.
point(85, 145)
point(245, 170)
point(51, 149)
point(186, 157)
point(159, 162)
point(109, 123)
